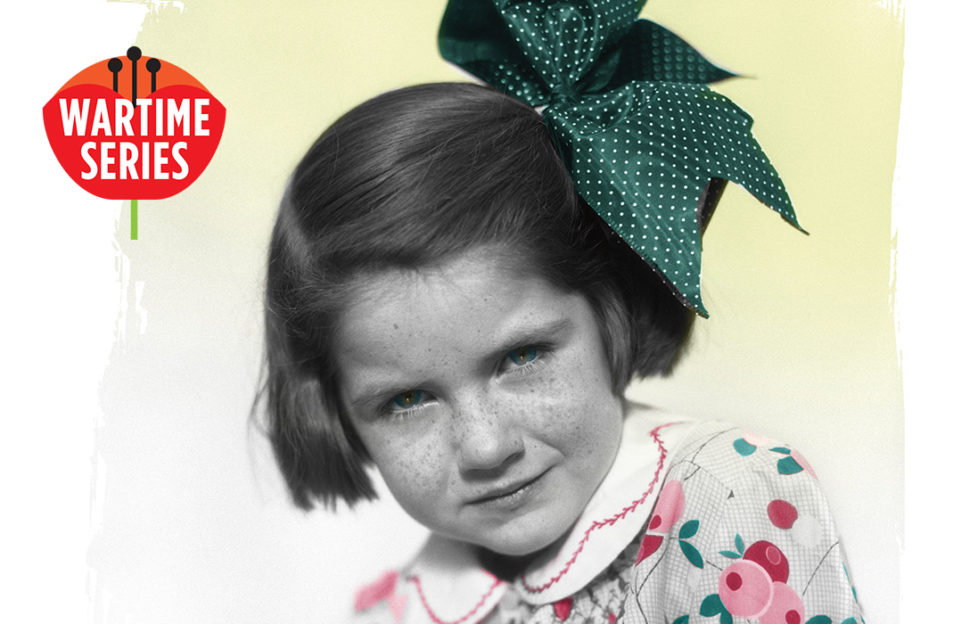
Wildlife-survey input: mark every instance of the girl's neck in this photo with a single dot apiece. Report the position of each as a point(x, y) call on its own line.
point(504, 567)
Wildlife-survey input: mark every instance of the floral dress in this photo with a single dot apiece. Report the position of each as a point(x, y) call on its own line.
point(696, 523)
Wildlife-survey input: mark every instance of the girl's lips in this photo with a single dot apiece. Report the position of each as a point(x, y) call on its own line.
point(508, 495)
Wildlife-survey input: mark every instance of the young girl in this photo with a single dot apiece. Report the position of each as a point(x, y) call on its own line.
point(444, 305)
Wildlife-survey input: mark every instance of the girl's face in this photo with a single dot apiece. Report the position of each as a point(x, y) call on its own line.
point(484, 397)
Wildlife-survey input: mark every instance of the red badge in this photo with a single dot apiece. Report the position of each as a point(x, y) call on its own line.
point(134, 128)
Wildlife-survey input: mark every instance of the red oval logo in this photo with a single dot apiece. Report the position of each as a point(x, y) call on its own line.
point(134, 128)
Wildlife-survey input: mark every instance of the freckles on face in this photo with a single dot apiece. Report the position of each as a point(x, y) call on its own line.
point(484, 397)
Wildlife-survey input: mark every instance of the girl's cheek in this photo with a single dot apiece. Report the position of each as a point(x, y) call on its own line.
point(565, 388)
point(401, 442)
point(415, 465)
point(414, 471)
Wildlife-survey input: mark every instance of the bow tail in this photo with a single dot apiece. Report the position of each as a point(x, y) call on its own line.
point(641, 156)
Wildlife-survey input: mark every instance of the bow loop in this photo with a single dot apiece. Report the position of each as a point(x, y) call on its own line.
point(564, 34)
point(474, 36)
point(562, 40)
point(650, 52)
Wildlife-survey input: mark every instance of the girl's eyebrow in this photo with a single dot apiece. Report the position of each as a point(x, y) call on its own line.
point(523, 335)
point(367, 399)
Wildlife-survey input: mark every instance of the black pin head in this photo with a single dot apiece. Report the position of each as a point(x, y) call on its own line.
point(134, 53)
point(115, 65)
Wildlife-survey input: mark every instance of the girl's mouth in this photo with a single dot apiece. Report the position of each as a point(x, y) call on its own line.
point(510, 496)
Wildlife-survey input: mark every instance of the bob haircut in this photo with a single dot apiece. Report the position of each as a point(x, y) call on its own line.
point(408, 180)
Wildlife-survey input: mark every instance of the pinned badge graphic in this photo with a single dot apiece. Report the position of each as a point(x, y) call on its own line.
point(134, 128)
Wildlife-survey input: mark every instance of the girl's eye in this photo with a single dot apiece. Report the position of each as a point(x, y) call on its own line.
point(407, 400)
point(522, 356)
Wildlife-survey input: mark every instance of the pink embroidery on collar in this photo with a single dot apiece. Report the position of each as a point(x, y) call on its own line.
point(610, 521)
point(434, 618)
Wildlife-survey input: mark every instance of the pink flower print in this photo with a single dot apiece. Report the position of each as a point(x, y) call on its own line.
point(562, 608)
point(781, 513)
point(668, 509)
point(757, 440)
point(793, 462)
point(748, 443)
point(798, 457)
point(755, 587)
point(650, 544)
point(769, 557)
point(379, 591)
point(786, 607)
point(745, 589)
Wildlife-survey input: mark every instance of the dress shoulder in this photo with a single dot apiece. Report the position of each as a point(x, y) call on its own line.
point(741, 531)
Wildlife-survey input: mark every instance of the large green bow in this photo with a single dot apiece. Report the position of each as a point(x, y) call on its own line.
point(628, 108)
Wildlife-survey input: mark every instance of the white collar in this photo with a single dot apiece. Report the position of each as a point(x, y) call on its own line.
point(446, 584)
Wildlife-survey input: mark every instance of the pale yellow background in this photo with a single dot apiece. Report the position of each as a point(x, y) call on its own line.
point(192, 524)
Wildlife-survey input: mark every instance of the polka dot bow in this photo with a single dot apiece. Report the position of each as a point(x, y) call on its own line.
point(627, 104)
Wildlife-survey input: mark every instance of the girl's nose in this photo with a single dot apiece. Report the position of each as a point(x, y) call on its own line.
point(486, 438)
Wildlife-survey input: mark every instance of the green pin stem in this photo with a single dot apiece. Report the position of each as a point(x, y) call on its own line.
point(133, 219)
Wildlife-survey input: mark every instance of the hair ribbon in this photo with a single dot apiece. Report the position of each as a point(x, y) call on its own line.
point(627, 105)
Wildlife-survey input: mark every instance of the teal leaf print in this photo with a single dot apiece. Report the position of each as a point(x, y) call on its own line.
point(744, 447)
point(788, 466)
point(849, 620)
point(781, 449)
point(711, 606)
point(689, 529)
point(681, 620)
point(692, 554)
point(739, 545)
point(820, 619)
